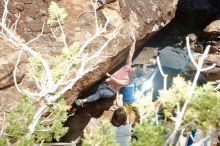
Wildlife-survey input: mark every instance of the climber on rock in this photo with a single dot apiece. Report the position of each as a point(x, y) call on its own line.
point(114, 82)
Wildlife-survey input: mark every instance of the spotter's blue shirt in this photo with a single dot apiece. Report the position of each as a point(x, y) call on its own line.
point(128, 92)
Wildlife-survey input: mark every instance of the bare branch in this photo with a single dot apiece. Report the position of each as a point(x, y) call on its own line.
point(44, 120)
point(46, 84)
point(54, 35)
point(209, 68)
point(112, 35)
point(96, 19)
point(88, 42)
point(34, 39)
point(63, 36)
point(192, 89)
point(37, 116)
point(14, 39)
point(199, 69)
point(202, 141)
point(192, 122)
point(98, 33)
point(69, 85)
point(80, 73)
point(162, 73)
point(218, 86)
point(60, 82)
point(41, 144)
point(39, 113)
point(15, 70)
point(5, 13)
point(3, 125)
point(190, 52)
point(43, 80)
point(49, 100)
point(43, 130)
point(14, 26)
point(35, 78)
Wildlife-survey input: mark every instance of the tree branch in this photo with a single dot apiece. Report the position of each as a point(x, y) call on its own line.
point(48, 85)
point(15, 70)
point(32, 40)
point(192, 89)
point(162, 73)
point(14, 26)
point(3, 125)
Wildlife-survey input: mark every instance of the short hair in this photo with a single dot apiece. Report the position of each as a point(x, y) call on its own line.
point(134, 65)
point(119, 117)
point(192, 38)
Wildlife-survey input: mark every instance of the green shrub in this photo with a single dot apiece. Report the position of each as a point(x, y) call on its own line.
point(203, 109)
point(101, 136)
point(18, 120)
point(149, 134)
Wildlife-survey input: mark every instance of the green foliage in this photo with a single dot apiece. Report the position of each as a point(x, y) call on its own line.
point(36, 68)
point(57, 126)
point(20, 118)
point(203, 109)
point(3, 141)
point(202, 112)
point(55, 13)
point(61, 62)
point(102, 136)
point(23, 141)
point(176, 95)
point(54, 129)
point(149, 134)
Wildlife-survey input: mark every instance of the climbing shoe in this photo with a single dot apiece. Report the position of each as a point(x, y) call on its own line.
point(71, 114)
point(79, 103)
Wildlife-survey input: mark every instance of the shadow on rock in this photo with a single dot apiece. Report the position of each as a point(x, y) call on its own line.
point(80, 120)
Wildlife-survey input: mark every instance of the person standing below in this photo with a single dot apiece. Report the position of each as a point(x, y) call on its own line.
point(129, 101)
point(115, 82)
point(123, 129)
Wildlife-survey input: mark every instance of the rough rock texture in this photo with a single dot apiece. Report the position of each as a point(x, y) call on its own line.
point(81, 120)
point(193, 16)
point(8, 58)
point(213, 28)
point(142, 17)
point(213, 74)
point(212, 31)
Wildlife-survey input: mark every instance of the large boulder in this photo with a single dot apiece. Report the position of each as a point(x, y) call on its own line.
point(143, 17)
point(213, 28)
point(8, 58)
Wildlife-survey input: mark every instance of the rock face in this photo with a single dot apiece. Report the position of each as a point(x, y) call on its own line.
point(212, 31)
point(194, 16)
point(8, 58)
point(143, 17)
point(213, 28)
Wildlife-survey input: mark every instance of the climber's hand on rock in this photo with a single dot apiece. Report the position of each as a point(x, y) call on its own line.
point(108, 75)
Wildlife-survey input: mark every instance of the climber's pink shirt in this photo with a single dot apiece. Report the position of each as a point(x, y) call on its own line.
point(121, 74)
